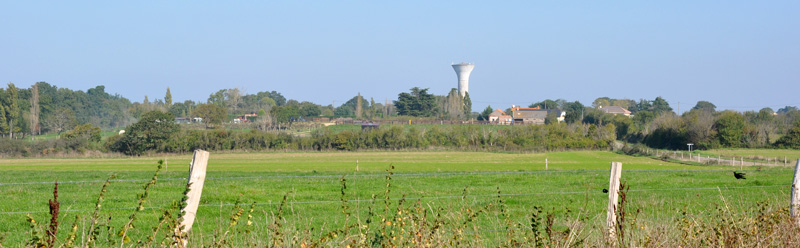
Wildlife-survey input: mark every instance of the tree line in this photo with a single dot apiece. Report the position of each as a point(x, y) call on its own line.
point(76, 116)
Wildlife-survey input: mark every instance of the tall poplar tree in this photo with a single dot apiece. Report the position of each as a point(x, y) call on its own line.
point(12, 108)
point(358, 106)
point(35, 109)
point(168, 99)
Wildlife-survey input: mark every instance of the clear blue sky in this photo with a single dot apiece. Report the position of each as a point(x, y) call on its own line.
point(741, 55)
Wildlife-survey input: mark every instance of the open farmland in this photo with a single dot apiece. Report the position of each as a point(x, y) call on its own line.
point(446, 183)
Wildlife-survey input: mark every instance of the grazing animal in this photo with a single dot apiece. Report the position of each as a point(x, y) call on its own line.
point(739, 175)
point(605, 190)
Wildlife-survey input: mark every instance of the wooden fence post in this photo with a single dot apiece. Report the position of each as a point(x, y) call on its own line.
point(795, 206)
point(741, 165)
point(545, 163)
point(197, 177)
point(613, 198)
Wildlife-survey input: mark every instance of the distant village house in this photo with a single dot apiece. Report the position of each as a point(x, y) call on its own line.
point(500, 117)
point(615, 110)
point(534, 115)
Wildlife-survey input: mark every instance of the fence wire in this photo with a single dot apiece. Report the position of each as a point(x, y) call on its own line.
point(377, 175)
point(416, 198)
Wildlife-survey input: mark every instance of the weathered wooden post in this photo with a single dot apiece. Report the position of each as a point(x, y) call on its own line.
point(545, 163)
point(197, 177)
point(356, 164)
point(613, 198)
point(795, 206)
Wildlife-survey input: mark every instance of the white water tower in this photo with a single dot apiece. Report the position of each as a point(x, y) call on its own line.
point(463, 70)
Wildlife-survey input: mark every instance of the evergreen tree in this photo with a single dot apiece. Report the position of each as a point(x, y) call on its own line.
point(416, 103)
point(484, 116)
point(660, 106)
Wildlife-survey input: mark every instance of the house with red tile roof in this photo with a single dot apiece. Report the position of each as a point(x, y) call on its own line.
point(500, 117)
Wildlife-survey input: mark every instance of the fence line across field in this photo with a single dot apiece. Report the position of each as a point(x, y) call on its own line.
point(380, 175)
point(418, 198)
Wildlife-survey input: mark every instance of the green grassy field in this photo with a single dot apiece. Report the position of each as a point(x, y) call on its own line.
point(761, 154)
point(448, 180)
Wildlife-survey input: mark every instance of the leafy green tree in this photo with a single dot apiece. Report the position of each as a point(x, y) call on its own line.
point(284, 114)
point(484, 116)
point(661, 106)
point(791, 139)
point(279, 99)
point(787, 109)
point(11, 104)
point(596, 116)
point(452, 106)
point(418, 102)
point(643, 105)
point(168, 99)
point(601, 102)
point(179, 109)
point(467, 105)
point(3, 120)
point(730, 129)
point(150, 132)
point(348, 109)
point(624, 126)
point(625, 103)
point(700, 128)
point(765, 115)
point(308, 109)
point(211, 113)
point(705, 106)
point(574, 112)
point(552, 117)
point(85, 131)
point(218, 98)
point(61, 120)
point(546, 104)
point(642, 118)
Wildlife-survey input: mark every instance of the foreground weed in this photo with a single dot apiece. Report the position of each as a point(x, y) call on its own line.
point(52, 229)
point(73, 233)
point(94, 231)
point(123, 233)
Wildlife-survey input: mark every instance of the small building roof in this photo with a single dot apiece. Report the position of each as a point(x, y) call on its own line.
point(615, 110)
point(498, 112)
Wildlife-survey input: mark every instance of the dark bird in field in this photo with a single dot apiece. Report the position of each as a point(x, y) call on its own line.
point(605, 190)
point(739, 175)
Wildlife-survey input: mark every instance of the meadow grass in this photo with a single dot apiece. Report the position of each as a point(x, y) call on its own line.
point(437, 180)
point(760, 154)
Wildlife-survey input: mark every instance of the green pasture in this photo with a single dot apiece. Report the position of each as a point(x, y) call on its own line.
point(760, 154)
point(451, 180)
